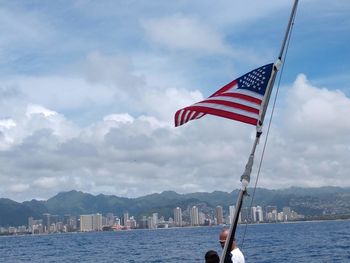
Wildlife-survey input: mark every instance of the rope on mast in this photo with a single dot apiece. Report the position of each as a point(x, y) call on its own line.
point(269, 125)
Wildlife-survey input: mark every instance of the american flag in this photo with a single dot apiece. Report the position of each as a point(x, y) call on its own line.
point(239, 100)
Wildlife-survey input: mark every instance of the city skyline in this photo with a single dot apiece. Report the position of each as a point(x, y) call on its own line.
point(50, 223)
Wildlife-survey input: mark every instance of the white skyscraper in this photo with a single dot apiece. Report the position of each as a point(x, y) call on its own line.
point(232, 211)
point(178, 216)
point(155, 219)
point(194, 216)
point(125, 219)
point(259, 214)
point(286, 213)
point(253, 214)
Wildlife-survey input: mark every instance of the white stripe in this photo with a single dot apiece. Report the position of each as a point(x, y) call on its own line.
point(235, 100)
point(244, 92)
point(191, 116)
point(200, 115)
point(179, 117)
point(229, 109)
point(186, 114)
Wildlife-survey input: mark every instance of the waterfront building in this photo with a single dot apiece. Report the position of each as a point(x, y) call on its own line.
point(143, 222)
point(91, 222)
point(178, 216)
point(110, 219)
point(253, 214)
point(132, 222)
point(70, 222)
point(245, 214)
point(259, 214)
point(150, 223)
point(286, 213)
point(219, 215)
point(46, 222)
point(155, 219)
point(280, 216)
point(125, 218)
point(201, 218)
point(12, 230)
point(194, 216)
point(22, 229)
point(271, 213)
point(232, 211)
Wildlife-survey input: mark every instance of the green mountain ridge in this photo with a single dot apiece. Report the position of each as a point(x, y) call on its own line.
point(307, 201)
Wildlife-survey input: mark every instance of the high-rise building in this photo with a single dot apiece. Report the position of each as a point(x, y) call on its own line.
point(245, 214)
point(194, 216)
point(232, 211)
point(219, 215)
point(286, 213)
point(110, 218)
point(132, 221)
point(91, 222)
point(201, 218)
point(125, 218)
point(31, 223)
point(46, 221)
point(143, 222)
point(86, 223)
point(178, 216)
point(150, 223)
point(259, 214)
point(253, 214)
point(155, 219)
point(70, 222)
point(271, 213)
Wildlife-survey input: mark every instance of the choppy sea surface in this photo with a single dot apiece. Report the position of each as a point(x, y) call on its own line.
point(324, 241)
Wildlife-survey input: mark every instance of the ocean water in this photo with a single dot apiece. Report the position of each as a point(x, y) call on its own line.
point(327, 241)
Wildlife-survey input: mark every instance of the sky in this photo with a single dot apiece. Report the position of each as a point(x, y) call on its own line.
point(89, 89)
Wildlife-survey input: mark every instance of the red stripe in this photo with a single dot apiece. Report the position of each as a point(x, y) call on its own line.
point(241, 96)
point(231, 104)
point(226, 114)
point(176, 117)
point(177, 121)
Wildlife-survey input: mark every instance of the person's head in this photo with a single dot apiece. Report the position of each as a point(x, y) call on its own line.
point(223, 236)
point(212, 257)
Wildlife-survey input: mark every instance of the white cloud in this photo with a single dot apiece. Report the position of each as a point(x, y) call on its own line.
point(18, 188)
point(316, 112)
point(37, 109)
point(50, 182)
point(309, 146)
point(122, 118)
point(185, 33)
point(126, 154)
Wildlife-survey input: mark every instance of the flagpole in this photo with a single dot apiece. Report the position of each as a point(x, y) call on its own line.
point(245, 178)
